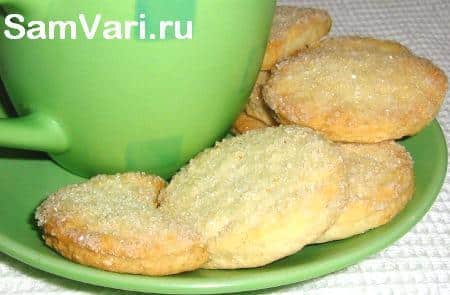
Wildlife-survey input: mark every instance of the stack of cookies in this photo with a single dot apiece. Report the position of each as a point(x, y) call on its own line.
point(350, 89)
point(359, 92)
point(316, 161)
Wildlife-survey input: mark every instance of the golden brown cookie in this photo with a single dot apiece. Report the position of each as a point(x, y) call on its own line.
point(260, 196)
point(257, 107)
point(245, 123)
point(112, 223)
point(381, 182)
point(355, 89)
point(256, 114)
point(293, 29)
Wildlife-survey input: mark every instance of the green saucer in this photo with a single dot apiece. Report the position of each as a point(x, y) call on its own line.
point(27, 178)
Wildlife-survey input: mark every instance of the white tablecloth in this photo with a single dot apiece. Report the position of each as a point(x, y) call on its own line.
point(419, 263)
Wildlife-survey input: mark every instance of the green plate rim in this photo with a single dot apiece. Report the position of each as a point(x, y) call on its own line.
point(275, 278)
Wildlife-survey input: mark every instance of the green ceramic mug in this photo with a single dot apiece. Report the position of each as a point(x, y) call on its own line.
point(146, 102)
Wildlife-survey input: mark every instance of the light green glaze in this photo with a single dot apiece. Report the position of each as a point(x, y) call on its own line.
point(26, 179)
point(100, 106)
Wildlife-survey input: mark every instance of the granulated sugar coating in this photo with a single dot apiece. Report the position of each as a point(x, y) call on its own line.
point(256, 114)
point(112, 222)
point(355, 89)
point(256, 106)
point(245, 123)
point(260, 196)
point(294, 29)
point(381, 182)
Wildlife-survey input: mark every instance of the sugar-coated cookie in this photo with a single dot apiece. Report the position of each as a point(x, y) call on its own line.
point(256, 114)
point(293, 29)
point(355, 89)
point(112, 223)
point(245, 123)
point(260, 196)
point(381, 182)
point(256, 106)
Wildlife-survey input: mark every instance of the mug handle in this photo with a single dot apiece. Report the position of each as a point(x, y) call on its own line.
point(33, 132)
